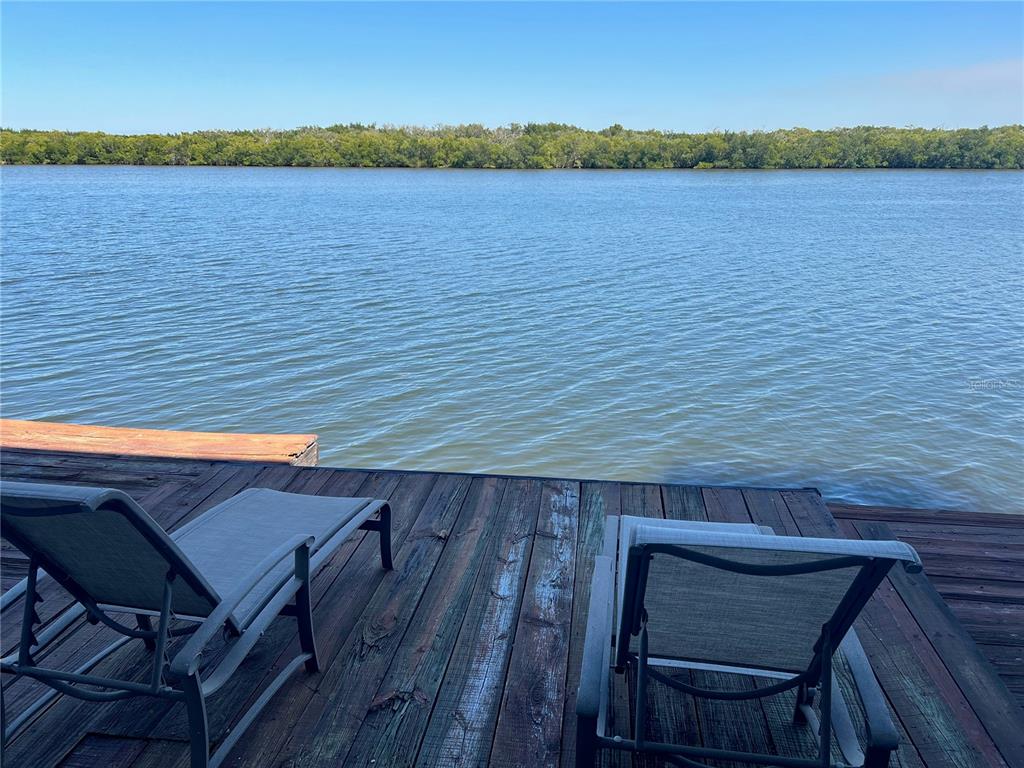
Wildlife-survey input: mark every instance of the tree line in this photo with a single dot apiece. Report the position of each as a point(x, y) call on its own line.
point(549, 145)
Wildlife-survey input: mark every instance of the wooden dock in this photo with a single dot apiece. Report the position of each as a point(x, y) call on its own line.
point(158, 443)
point(974, 561)
point(468, 653)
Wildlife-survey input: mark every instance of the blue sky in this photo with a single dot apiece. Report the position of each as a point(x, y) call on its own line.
point(168, 67)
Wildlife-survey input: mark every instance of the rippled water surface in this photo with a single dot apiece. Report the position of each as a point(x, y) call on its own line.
point(856, 331)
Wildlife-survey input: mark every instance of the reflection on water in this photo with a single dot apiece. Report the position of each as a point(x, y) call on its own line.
point(856, 331)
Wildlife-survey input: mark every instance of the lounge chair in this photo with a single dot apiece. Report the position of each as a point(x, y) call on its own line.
point(230, 571)
point(733, 598)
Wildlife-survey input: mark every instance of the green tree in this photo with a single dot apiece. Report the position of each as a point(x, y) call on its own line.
point(534, 145)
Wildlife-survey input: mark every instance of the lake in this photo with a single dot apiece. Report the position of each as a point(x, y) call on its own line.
point(856, 331)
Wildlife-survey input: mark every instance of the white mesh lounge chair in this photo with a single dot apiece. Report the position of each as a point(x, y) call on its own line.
point(734, 598)
point(231, 571)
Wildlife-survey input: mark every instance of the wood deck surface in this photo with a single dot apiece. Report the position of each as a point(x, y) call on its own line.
point(468, 653)
point(158, 443)
point(974, 561)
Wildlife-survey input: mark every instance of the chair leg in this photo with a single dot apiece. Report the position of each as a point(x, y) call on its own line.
point(144, 622)
point(304, 617)
point(804, 698)
point(198, 729)
point(586, 742)
point(385, 537)
point(877, 757)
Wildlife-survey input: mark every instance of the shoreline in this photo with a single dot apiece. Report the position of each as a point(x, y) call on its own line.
point(873, 169)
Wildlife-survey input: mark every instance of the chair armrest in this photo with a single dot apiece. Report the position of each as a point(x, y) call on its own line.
point(597, 644)
point(882, 735)
point(186, 661)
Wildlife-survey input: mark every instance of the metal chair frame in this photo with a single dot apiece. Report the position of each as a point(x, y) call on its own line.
point(182, 677)
point(817, 679)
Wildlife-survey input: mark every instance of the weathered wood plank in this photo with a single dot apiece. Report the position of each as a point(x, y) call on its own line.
point(349, 580)
point(989, 698)
point(664, 721)
point(134, 484)
point(97, 749)
point(161, 753)
point(641, 500)
point(618, 502)
point(166, 468)
point(393, 727)
point(932, 711)
point(939, 533)
point(530, 723)
point(461, 726)
point(683, 502)
point(1007, 555)
point(909, 515)
point(741, 724)
point(770, 508)
point(976, 604)
point(978, 590)
point(992, 623)
point(725, 505)
point(672, 716)
point(597, 501)
point(937, 717)
point(1005, 658)
point(217, 446)
point(450, 682)
point(355, 675)
point(967, 567)
point(13, 569)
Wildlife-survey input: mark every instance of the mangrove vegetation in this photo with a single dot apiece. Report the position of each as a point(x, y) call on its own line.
point(549, 145)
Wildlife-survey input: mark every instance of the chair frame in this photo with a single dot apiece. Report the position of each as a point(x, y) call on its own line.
point(182, 677)
point(592, 703)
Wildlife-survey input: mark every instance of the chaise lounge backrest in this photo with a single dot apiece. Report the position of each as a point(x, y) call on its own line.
point(102, 547)
point(746, 599)
point(627, 524)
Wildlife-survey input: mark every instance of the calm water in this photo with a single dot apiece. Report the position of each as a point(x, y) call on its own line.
point(860, 332)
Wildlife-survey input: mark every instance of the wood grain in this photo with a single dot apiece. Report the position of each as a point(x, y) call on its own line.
point(48, 436)
point(468, 653)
